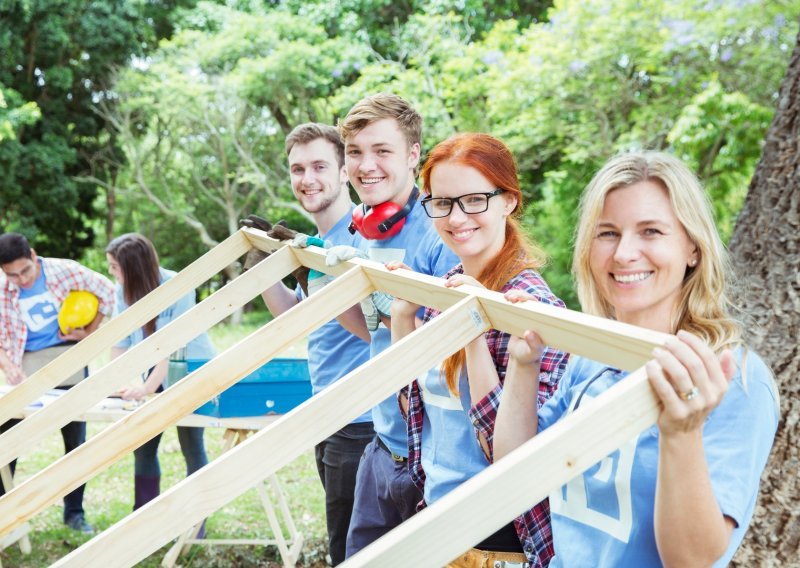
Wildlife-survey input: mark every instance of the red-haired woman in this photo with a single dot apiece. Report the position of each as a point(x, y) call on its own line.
point(472, 196)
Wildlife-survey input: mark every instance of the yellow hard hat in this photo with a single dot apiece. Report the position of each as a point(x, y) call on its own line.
point(78, 310)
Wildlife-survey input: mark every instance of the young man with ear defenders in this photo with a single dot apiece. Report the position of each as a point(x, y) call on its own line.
point(382, 136)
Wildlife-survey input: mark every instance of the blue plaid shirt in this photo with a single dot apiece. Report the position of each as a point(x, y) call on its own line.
point(533, 527)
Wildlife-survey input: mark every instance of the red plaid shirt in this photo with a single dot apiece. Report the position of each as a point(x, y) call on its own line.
point(533, 527)
point(61, 277)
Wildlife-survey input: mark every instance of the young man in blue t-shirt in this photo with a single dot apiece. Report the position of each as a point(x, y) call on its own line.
point(31, 293)
point(382, 136)
point(319, 182)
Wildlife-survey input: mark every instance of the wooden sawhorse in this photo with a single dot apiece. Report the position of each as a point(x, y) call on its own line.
point(20, 534)
point(288, 546)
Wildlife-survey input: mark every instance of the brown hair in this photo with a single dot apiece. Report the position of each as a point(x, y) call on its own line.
point(310, 131)
point(377, 107)
point(494, 161)
point(138, 260)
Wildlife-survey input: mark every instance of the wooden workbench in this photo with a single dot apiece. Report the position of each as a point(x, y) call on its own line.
point(285, 535)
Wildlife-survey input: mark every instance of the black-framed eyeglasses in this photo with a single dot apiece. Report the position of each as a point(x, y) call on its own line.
point(471, 203)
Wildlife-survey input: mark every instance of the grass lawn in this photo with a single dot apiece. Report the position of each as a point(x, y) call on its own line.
point(109, 498)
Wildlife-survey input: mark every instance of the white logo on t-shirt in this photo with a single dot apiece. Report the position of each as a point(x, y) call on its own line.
point(39, 311)
point(611, 477)
point(435, 392)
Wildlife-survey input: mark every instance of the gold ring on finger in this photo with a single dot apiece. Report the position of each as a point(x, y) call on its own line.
point(690, 394)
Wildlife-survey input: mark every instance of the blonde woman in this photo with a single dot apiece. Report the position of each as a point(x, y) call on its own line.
point(682, 493)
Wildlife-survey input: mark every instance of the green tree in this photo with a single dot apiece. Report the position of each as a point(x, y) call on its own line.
point(201, 123)
point(58, 56)
point(15, 114)
point(381, 23)
point(598, 78)
point(765, 246)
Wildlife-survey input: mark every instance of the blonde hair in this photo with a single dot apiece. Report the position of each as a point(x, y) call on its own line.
point(378, 107)
point(704, 306)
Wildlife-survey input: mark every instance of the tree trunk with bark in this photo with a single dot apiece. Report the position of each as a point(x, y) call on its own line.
point(766, 252)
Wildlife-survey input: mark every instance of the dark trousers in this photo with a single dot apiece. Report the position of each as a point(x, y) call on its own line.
point(385, 497)
point(192, 447)
point(337, 463)
point(74, 434)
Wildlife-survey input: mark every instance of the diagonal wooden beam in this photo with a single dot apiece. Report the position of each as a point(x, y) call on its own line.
point(517, 482)
point(141, 357)
point(147, 529)
point(120, 327)
point(69, 472)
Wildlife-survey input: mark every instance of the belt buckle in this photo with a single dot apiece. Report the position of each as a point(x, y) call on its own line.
point(507, 564)
point(397, 458)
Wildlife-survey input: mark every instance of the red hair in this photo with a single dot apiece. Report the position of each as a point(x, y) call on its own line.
point(494, 161)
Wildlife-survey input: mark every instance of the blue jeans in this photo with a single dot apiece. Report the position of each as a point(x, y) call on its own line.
point(337, 463)
point(385, 497)
point(73, 434)
point(145, 458)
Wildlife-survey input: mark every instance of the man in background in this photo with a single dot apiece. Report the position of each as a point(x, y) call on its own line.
point(32, 291)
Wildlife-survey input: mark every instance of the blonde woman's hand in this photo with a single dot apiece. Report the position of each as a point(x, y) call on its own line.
point(527, 349)
point(690, 380)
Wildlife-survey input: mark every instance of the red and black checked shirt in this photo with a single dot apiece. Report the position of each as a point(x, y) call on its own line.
point(533, 527)
point(61, 276)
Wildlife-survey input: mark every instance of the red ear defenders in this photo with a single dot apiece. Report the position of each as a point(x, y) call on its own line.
point(383, 220)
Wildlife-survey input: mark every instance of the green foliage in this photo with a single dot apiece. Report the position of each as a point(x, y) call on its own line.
point(381, 23)
point(14, 114)
point(721, 136)
point(599, 78)
point(198, 124)
point(56, 63)
point(201, 123)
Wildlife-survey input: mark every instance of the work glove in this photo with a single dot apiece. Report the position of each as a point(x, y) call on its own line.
point(280, 232)
point(342, 253)
point(255, 255)
point(376, 304)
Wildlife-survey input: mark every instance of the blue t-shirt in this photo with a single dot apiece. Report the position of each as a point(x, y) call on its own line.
point(40, 313)
point(604, 517)
point(198, 348)
point(451, 453)
point(332, 350)
point(420, 248)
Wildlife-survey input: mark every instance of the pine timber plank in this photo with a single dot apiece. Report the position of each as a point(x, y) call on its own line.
point(515, 483)
point(141, 357)
point(119, 439)
point(191, 500)
point(120, 327)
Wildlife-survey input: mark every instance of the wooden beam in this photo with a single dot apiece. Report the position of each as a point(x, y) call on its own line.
point(141, 357)
point(613, 343)
point(517, 482)
point(624, 346)
point(120, 327)
point(119, 439)
point(193, 499)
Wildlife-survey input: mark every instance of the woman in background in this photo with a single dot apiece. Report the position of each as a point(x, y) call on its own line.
point(133, 262)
